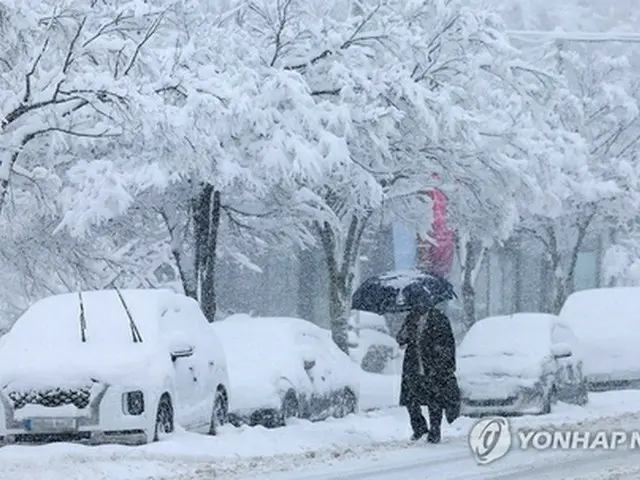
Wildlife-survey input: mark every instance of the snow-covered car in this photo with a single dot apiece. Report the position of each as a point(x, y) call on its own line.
point(519, 364)
point(371, 344)
point(605, 320)
point(111, 366)
point(285, 367)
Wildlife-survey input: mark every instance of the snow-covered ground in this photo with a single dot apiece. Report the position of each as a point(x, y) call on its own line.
point(378, 390)
point(255, 452)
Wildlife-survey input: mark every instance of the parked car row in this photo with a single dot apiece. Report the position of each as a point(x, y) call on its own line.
point(128, 366)
point(526, 362)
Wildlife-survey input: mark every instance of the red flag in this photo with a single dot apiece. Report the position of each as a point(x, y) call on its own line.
point(438, 256)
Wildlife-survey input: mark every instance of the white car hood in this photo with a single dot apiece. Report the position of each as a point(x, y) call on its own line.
point(49, 368)
point(497, 376)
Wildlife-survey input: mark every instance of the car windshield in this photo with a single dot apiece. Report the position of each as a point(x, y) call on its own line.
point(54, 323)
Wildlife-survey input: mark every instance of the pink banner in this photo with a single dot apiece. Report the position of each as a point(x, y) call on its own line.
point(437, 257)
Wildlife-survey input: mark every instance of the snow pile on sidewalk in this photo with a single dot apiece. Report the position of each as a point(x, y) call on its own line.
point(250, 450)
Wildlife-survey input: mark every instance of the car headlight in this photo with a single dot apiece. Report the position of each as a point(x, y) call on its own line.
point(133, 403)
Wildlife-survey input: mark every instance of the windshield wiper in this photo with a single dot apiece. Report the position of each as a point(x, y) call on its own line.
point(135, 333)
point(83, 321)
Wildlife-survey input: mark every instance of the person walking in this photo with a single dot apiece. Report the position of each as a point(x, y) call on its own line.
point(428, 372)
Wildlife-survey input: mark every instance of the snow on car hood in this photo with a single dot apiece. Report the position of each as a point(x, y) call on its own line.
point(49, 367)
point(497, 376)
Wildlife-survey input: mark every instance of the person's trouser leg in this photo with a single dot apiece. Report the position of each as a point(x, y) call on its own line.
point(418, 422)
point(435, 421)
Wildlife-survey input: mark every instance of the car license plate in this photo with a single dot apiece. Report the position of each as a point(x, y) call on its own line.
point(51, 425)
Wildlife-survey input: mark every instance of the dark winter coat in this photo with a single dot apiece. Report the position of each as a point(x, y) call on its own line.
point(434, 383)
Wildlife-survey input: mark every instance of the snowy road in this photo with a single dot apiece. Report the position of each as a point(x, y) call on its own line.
point(453, 464)
point(369, 446)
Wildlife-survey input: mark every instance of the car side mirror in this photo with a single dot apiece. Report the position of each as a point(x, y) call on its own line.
point(186, 352)
point(309, 364)
point(561, 350)
point(180, 347)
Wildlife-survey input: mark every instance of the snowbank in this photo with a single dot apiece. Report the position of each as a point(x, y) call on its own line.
point(250, 451)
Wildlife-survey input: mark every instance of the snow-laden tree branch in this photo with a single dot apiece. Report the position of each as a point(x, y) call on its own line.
point(59, 72)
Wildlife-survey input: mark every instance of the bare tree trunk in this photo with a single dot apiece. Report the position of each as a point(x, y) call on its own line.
point(473, 256)
point(187, 280)
point(188, 285)
point(564, 281)
point(559, 285)
point(340, 265)
point(4, 188)
point(206, 217)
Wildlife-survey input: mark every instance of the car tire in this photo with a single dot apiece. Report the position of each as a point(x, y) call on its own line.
point(164, 418)
point(348, 403)
point(220, 411)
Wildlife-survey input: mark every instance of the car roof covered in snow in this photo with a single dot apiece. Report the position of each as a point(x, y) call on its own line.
point(282, 327)
point(517, 334)
point(604, 314)
point(58, 317)
point(44, 347)
point(605, 320)
point(603, 308)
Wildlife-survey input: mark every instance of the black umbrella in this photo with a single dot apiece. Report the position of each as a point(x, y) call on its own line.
point(402, 291)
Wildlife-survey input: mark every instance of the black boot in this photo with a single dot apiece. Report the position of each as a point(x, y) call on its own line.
point(418, 422)
point(418, 434)
point(434, 436)
point(435, 422)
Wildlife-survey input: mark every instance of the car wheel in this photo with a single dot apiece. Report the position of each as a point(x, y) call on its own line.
point(164, 418)
point(348, 403)
point(219, 413)
point(290, 407)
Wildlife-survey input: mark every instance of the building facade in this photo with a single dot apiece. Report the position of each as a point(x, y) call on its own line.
point(512, 278)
